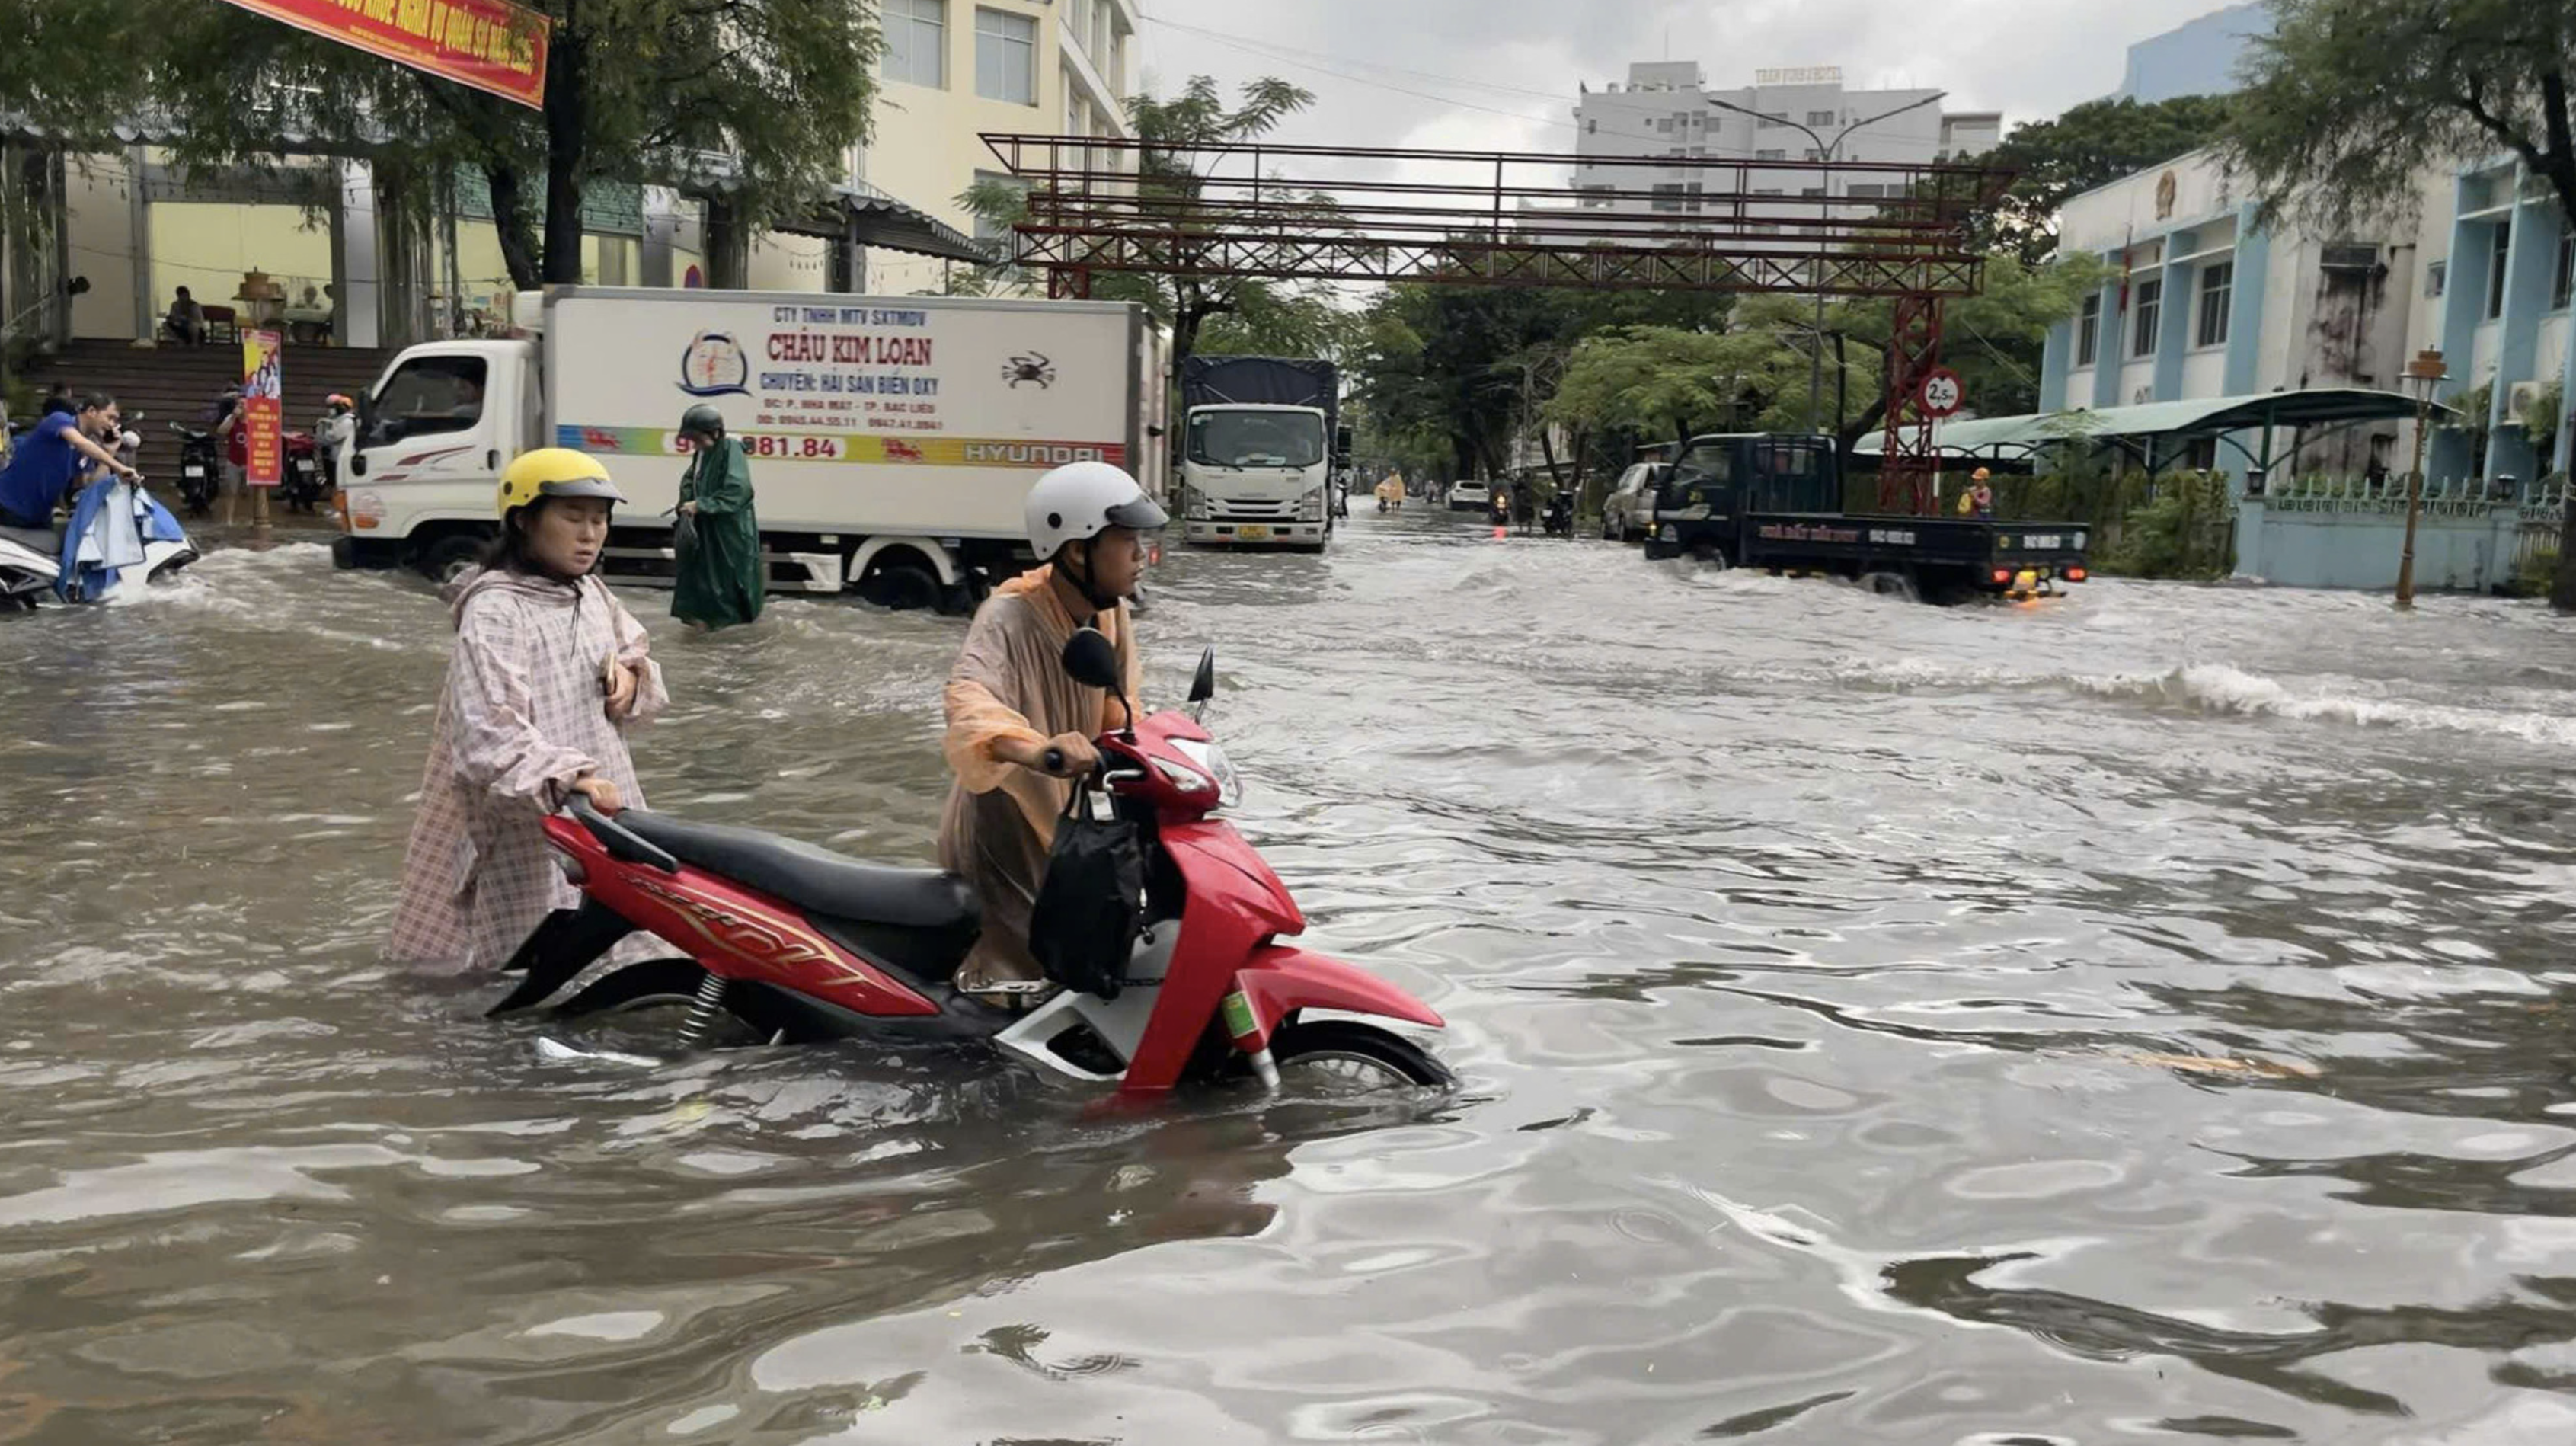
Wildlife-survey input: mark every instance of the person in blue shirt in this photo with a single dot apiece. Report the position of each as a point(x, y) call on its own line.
point(49, 460)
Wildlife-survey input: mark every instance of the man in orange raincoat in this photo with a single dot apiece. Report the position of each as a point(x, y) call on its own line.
point(1011, 704)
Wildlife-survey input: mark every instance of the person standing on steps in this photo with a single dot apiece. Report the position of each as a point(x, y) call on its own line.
point(720, 575)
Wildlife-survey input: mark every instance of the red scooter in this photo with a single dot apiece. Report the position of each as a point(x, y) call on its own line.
point(799, 943)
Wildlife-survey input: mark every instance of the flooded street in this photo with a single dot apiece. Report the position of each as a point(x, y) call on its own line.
point(2137, 1018)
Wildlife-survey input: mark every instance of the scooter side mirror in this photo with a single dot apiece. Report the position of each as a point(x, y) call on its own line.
point(1203, 685)
point(1091, 660)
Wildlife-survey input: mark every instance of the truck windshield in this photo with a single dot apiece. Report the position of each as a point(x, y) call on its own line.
point(1705, 462)
point(426, 395)
point(1257, 439)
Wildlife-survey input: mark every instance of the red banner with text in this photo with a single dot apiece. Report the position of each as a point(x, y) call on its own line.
point(264, 406)
point(491, 45)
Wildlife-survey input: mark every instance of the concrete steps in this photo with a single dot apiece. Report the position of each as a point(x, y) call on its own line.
point(176, 384)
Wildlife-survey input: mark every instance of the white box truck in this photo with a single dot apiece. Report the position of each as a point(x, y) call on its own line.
point(892, 439)
point(1262, 452)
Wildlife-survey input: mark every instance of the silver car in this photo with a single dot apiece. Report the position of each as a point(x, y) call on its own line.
point(1628, 513)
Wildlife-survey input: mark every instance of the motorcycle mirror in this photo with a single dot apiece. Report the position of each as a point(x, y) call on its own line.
point(1090, 659)
point(1203, 686)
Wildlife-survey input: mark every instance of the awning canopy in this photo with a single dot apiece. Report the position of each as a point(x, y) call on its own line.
point(863, 214)
point(2008, 438)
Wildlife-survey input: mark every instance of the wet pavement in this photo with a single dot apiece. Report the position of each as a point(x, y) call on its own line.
point(2136, 1018)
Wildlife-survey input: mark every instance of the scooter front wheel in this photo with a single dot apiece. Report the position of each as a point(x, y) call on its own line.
point(1340, 1057)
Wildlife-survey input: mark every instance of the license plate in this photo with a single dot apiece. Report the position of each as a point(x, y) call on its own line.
point(192, 472)
point(1252, 534)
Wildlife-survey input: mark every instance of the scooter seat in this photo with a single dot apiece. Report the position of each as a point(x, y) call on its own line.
point(811, 877)
point(47, 543)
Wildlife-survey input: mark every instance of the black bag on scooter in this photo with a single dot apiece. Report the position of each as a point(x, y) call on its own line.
point(1090, 906)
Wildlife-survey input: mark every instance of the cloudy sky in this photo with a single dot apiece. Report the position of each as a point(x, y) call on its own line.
point(1500, 74)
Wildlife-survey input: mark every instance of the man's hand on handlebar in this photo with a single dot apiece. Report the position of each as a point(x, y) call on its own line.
point(1066, 755)
point(601, 793)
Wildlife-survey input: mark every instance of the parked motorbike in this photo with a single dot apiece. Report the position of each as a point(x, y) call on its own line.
point(799, 943)
point(201, 469)
point(300, 480)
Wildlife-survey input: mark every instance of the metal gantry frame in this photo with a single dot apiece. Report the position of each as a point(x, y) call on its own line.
point(1486, 218)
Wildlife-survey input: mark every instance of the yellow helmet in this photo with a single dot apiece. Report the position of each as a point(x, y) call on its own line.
point(1981, 475)
point(554, 472)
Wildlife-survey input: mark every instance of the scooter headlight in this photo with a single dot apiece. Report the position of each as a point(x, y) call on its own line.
point(1211, 761)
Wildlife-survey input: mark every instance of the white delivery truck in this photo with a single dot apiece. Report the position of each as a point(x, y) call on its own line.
point(1262, 451)
point(892, 439)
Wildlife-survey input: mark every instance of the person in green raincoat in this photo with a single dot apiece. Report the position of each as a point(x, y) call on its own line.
point(719, 578)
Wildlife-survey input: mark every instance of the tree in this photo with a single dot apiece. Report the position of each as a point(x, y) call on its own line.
point(2091, 145)
point(636, 90)
point(2350, 101)
point(1648, 378)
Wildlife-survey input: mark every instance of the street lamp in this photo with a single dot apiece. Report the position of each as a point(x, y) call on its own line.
point(2423, 375)
point(1824, 154)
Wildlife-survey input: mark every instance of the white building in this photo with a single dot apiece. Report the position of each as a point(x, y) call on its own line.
point(1666, 110)
point(955, 69)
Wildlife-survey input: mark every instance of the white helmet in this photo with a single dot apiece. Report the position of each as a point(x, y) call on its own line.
point(1080, 500)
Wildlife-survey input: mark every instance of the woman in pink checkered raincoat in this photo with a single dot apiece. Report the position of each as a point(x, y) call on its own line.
point(548, 672)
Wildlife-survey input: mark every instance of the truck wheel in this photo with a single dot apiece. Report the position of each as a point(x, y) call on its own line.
point(1710, 554)
point(1890, 584)
point(451, 556)
point(900, 584)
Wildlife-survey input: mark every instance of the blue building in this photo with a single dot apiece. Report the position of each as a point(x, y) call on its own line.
point(2198, 58)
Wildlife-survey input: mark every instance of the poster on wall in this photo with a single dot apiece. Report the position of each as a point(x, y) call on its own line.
point(491, 45)
point(264, 405)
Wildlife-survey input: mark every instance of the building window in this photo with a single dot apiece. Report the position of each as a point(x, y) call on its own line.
point(916, 42)
point(2088, 331)
point(2562, 282)
point(1006, 57)
point(1664, 123)
point(1770, 155)
point(1668, 195)
point(1870, 189)
point(1772, 191)
point(2434, 276)
point(1811, 190)
point(2151, 305)
point(2495, 270)
point(1814, 154)
point(2217, 289)
point(1820, 117)
point(1591, 126)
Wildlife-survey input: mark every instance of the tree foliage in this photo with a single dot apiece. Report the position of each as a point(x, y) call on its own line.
point(2349, 101)
point(2091, 145)
point(1660, 378)
point(636, 90)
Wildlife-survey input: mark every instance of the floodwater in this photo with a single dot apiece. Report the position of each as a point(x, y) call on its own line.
point(2140, 1018)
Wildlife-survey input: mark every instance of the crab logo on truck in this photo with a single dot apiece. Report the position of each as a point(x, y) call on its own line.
point(1031, 454)
point(714, 366)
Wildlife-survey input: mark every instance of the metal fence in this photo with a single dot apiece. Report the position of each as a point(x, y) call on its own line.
point(2541, 538)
